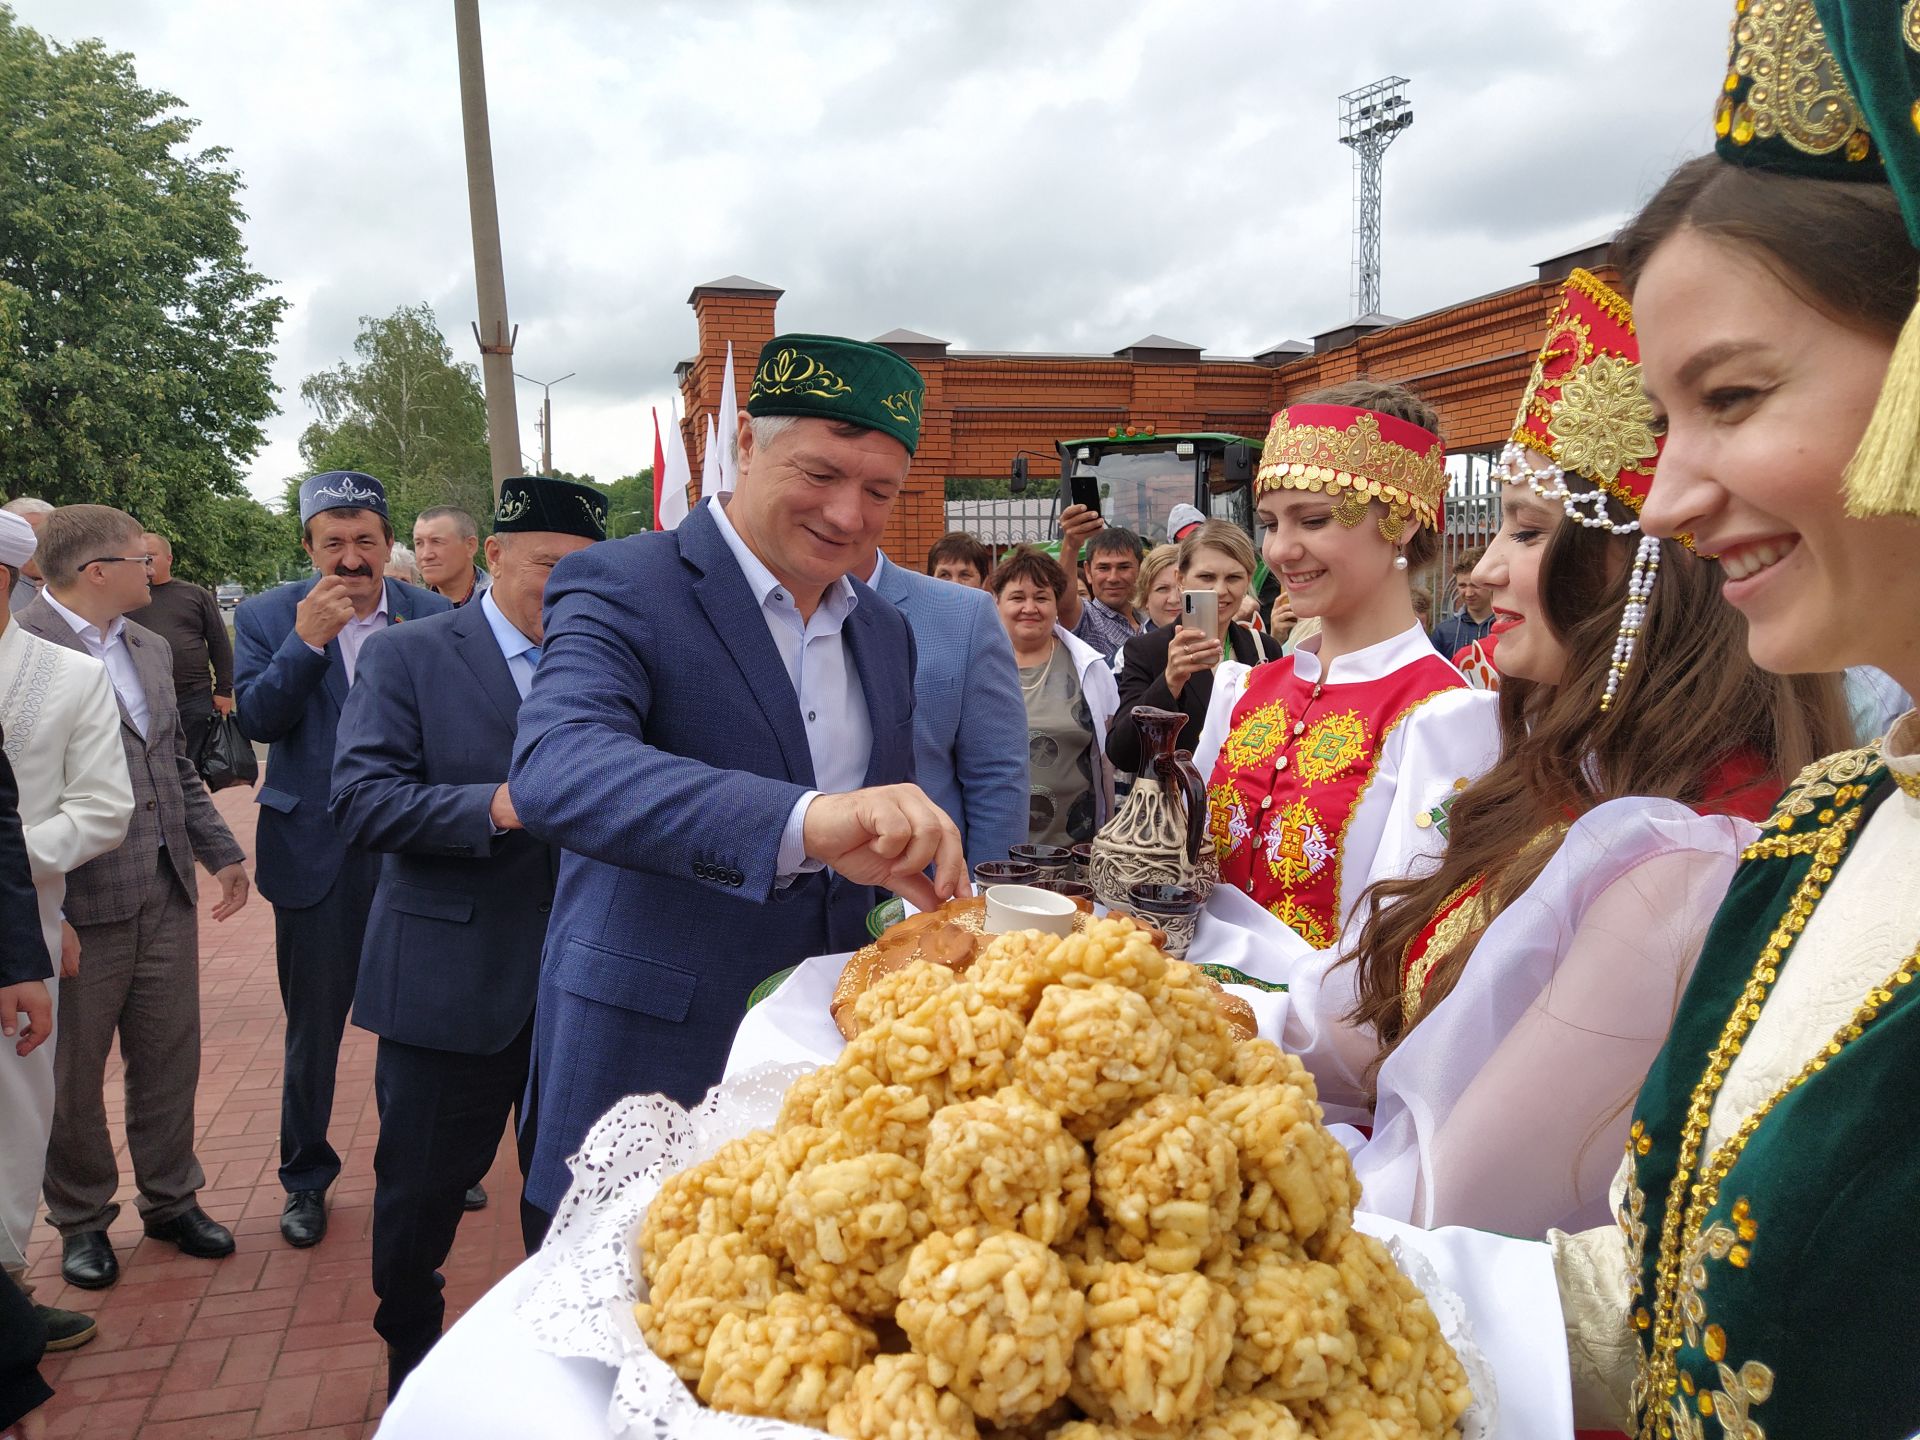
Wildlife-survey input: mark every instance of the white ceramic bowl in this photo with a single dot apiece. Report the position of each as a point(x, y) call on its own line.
point(1021, 907)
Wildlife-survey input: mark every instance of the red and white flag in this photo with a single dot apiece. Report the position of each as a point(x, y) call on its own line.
point(670, 484)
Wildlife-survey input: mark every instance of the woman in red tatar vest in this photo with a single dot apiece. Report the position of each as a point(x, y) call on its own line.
point(1504, 1006)
point(1334, 766)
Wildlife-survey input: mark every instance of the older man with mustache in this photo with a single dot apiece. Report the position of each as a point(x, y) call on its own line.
point(296, 647)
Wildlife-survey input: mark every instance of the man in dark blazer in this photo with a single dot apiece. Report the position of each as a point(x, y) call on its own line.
point(134, 909)
point(452, 955)
point(295, 651)
point(720, 737)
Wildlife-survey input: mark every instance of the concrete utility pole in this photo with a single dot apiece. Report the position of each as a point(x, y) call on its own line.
point(495, 339)
point(546, 417)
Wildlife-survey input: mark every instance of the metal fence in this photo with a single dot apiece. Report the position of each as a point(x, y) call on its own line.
point(1471, 519)
point(999, 523)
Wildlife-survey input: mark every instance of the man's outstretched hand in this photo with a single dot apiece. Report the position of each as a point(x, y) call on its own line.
point(888, 836)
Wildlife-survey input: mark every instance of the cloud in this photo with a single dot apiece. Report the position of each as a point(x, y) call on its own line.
point(1004, 175)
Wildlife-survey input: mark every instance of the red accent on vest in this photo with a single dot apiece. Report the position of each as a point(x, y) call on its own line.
point(1290, 776)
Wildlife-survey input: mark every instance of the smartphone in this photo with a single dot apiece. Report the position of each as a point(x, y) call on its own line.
point(1200, 610)
point(1085, 490)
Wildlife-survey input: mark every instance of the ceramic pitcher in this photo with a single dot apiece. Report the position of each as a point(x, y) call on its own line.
point(1159, 834)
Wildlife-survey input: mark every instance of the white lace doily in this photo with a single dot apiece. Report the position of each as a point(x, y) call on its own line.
point(582, 1304)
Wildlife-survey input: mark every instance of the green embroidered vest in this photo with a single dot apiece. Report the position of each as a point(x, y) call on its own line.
point(1775, 1290)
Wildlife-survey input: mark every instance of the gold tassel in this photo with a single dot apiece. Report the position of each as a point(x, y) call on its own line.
point(1883, 478)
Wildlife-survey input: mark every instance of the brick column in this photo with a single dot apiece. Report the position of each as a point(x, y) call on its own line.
point(736, 309)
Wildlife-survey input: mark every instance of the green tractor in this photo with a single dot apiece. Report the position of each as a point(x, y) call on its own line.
point(1141, 475)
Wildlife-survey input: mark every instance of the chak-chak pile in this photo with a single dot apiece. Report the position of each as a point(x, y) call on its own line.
point(1052, 1199)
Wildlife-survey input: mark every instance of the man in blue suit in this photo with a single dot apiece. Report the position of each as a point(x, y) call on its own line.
point(452, 955)
point(969, 720)
point(295, 650)
point(720, 737)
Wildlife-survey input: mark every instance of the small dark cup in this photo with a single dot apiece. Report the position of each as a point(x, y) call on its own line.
point(1072, 889)
point(1083, 862)
point(1052, 861)
point(1004, 872)
point(1173, 908)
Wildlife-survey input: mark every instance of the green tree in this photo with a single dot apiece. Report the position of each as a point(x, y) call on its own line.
point(630, 504)
point(135, 341)
point(406, 412)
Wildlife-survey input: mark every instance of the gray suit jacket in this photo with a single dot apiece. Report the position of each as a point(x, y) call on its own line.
point(170, 801)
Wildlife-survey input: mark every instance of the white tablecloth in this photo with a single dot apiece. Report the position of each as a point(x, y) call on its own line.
point(486, 1381)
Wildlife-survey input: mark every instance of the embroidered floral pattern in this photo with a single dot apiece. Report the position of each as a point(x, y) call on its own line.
point(1796, 91)
point(1603, 421)
point(1257, 737)
point(788, 372)
point(1297, 847)
point(1333, 746)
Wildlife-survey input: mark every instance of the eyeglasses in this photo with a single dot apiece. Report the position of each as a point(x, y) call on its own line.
point(146, 560)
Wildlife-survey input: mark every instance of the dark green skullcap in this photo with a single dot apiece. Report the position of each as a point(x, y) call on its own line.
point(1877, 44)
point(558, 507)
point(1825, 89)
point(831, 378)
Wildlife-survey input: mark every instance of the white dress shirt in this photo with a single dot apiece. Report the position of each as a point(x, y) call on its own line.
point(520, 652)
point(110, 648)
point(832, 703)
point(354, 634)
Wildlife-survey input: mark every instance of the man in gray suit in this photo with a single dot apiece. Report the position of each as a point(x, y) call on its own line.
point(133, 909)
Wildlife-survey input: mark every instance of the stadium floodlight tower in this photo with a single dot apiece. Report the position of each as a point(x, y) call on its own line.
point(1370, 118)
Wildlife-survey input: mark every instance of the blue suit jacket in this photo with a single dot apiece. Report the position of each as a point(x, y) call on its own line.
point(969, 720)
point(288, 698)
point(662, 748)
point(452, 954)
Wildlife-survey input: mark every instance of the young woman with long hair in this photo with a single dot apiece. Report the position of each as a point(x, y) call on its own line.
point(1324, 764)
point(1504, 1006)
point(1758, 1281)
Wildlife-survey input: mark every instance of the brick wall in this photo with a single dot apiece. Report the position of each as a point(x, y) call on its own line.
point(1470, 360)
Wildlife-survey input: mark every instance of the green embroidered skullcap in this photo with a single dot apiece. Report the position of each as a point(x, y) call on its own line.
point(1825, 88)
point(1878, 46)
point(558, 507)
point(1831, 89)
point(831, 378)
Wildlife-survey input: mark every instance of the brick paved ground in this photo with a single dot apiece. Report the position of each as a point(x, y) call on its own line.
point(271, 1340)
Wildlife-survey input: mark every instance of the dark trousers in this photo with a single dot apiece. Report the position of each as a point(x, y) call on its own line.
point(196, 718)
point(441, 1118)
point(140, 980)
point(318, 954)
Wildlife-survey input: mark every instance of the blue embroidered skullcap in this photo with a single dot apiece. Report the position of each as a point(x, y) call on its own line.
point(341, 490)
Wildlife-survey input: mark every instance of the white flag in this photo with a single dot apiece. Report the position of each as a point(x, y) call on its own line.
point(673, 494)
point(710, 462)
point(729, 426)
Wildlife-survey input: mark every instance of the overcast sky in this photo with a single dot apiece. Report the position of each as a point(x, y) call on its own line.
point(1004, 174)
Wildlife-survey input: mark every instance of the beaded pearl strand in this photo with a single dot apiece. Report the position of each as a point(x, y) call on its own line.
point(1589, 508)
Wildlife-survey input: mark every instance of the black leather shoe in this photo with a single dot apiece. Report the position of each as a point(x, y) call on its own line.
point(87, 1260)
point(476, 1199)
point(66, 1329)
point(304, 1221)
point(195, 1233)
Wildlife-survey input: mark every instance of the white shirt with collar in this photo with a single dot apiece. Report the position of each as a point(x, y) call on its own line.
point(520, 653)
point(109, 646)
point(833, 706)
point(355, 632)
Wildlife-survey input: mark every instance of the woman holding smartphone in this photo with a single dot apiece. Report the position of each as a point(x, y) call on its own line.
point(1334, 767)
point(1757, 1280)
point(1171, 667)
